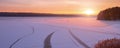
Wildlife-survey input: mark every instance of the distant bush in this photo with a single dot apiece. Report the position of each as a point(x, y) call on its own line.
point(109, 43)
point(110, 14)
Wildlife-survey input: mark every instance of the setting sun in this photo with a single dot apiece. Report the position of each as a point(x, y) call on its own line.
point(89, 12)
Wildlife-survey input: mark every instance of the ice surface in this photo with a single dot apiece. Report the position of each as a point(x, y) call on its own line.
point(32, 31)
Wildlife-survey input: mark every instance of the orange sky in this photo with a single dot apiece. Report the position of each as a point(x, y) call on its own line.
point(56, 6)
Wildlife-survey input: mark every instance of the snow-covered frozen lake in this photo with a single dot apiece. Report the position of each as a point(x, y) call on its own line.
point(55, 32)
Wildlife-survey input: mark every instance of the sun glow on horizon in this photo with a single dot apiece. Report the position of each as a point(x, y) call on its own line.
point(89, 12)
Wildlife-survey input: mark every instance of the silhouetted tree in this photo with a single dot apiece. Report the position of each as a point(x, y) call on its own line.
point(110, 14)
point(109, 43)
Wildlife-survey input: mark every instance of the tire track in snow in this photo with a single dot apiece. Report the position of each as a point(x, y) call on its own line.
point(78, 40)
point(47, 41)
point(96, 31)
point(15, 42)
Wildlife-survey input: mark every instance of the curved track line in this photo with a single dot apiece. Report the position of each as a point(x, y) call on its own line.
point(11, 46)
point(47, 41)
point(78, 40)
point(96, 31)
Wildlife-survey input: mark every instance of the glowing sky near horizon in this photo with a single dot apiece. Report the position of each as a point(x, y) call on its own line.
point(56, 6)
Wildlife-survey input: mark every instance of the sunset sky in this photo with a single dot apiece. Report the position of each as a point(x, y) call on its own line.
point(56, 6)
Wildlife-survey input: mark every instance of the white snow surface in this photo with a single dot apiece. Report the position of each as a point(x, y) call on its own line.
point(34, 30)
